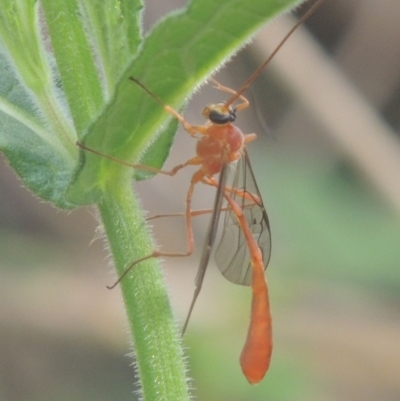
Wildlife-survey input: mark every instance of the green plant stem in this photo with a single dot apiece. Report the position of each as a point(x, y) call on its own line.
point(156, 341)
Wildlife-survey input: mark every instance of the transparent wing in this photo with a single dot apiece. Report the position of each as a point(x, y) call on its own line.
point(232, 255)
point(213, 226)
point(208, 246)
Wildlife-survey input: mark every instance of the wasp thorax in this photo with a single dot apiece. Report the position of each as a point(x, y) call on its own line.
point(220, 113)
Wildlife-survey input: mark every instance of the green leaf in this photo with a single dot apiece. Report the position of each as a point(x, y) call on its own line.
point(93, 43)
point(40, 151)
point(177, 56)
point(158, 151)
point(57, 70)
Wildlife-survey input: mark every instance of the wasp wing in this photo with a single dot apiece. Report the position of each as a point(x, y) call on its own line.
point(208, 246)
point(232, 255)
point(213, 226)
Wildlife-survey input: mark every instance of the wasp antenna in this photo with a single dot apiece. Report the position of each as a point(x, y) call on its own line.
point(157, 99)
point(258, 71)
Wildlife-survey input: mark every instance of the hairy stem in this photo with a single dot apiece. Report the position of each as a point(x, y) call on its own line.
point(156, 342)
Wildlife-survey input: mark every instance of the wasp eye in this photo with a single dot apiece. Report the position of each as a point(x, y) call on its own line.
point(220, 114)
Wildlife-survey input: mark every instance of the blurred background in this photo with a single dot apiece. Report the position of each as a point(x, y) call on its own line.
point(327, 161)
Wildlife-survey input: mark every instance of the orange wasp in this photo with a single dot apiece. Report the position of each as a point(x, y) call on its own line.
point(245, 248)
